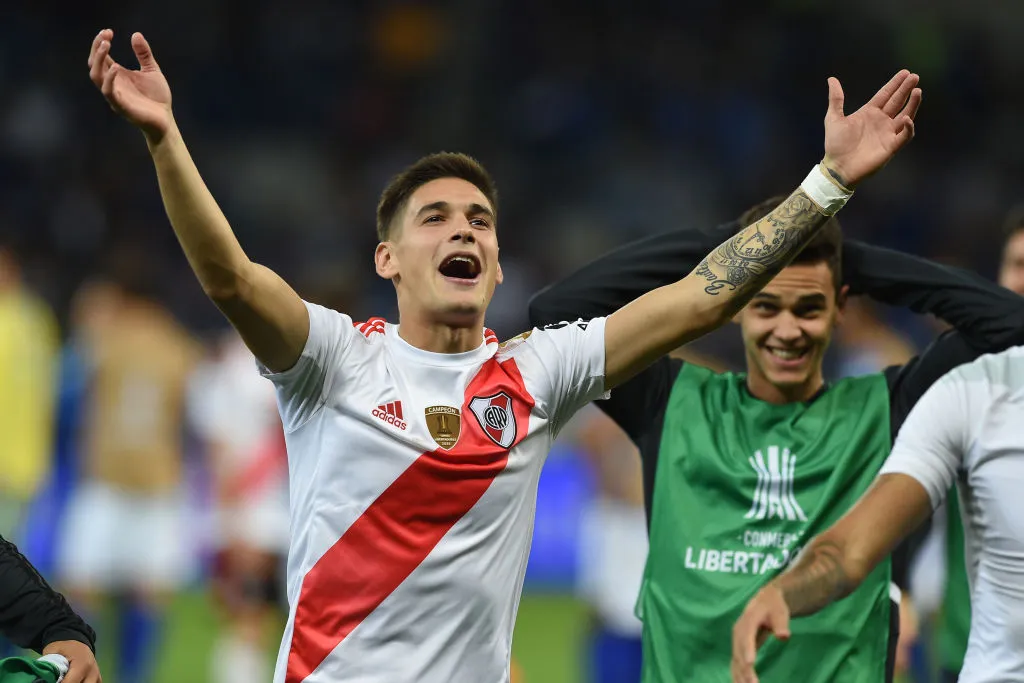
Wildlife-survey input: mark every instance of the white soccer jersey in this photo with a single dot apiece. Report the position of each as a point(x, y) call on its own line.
point(413, 481)
point(969, 428)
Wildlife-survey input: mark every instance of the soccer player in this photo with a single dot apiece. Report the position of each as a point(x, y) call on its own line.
point(124, 533)
point(740, 470)
point(414, 449)
point(954, 623)
point(966, 430)
point(234, 410)
point(34, 616)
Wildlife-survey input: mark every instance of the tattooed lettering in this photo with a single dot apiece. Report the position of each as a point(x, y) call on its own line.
point(751, 258)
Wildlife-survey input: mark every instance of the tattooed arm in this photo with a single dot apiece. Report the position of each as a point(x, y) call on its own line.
point(856, 146)
point(721, 285)
point(832, 565)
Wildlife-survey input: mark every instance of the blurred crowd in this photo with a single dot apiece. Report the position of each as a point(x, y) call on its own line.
point(137, 437)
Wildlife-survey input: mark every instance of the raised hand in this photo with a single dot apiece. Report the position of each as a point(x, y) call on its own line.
point(142, 96)
point(767, 614)
point(82, 666)
point(860, 144)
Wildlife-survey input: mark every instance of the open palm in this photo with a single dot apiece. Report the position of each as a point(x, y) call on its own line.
point(858, 145)
point(142, 96)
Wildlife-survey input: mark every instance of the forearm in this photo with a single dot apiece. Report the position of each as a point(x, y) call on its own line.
point(211, 247)
point(818, 578)
point(617, 278)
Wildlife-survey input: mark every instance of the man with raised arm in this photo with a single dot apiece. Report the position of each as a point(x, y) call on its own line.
point(414, 449)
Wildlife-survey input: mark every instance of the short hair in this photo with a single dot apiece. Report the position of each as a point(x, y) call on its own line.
point(432, 167)
point(1014, 223)
point(825, 247)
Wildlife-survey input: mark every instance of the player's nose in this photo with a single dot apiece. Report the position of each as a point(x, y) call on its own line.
point(463, 234)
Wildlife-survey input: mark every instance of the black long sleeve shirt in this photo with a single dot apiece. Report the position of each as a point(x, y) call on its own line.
point(32, 614)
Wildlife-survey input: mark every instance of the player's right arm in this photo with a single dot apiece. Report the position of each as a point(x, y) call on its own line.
point(265, 310)
point(913, 482)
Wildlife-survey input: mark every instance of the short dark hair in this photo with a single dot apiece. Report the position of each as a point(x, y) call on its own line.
point(1014, 223)
point(431, 167)
point(825, 247)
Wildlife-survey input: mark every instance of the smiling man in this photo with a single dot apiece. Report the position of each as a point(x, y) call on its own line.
point(415, 449)
point(741, 470)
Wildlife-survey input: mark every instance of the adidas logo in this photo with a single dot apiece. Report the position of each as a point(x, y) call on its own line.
point(390, 413)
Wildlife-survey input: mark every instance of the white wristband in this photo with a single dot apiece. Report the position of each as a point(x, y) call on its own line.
point(825, 191)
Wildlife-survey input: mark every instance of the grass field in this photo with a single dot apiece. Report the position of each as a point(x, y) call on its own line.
point(548, 638)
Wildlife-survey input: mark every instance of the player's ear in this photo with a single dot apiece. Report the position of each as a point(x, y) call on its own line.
point(500, 276)
point(841, 298)
point(386, 261)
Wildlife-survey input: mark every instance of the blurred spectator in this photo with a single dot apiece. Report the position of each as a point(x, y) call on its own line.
point(866, 343)
point(124, 534)
point(28, 361)
point(613, 549)
point(235, 412)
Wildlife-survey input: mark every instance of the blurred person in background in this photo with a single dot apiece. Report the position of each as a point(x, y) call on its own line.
point(740, 469)
point(124, 534)
point(867, 343)
point(613, 549)
point(234, 411)
point(439, 602)
point(954, 620)
point(29, 348)
point(36, 617)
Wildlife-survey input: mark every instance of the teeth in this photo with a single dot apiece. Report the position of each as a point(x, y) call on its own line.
point(786, 354)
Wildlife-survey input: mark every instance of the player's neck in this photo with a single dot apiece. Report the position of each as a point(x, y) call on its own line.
point(764, 390)
point(440, 338)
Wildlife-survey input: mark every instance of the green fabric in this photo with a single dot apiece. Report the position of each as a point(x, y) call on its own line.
point(719, 530)
point(28, 670)
point(955, 619)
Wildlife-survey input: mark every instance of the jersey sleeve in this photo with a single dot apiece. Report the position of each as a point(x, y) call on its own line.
point(931, 444)
point(302, 389)
point(571, 355)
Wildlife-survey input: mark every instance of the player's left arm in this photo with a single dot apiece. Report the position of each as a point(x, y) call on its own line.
point(914, 480)
point(856, 146)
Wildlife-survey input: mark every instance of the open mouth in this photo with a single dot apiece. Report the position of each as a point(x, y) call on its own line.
point(461, 267)
point(787, 355)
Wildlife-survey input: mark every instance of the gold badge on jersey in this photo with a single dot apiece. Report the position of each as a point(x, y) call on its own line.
point(444, 423)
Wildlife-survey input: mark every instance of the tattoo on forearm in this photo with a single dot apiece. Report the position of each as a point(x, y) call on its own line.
point(816, 579)
point(746, 262)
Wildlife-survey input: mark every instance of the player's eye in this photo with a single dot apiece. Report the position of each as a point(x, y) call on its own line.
point(480, 222)
point(434, 219)
point(766, 308)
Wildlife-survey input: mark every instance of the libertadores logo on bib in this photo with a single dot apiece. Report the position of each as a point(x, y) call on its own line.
point(774, 496)
point(494, 413)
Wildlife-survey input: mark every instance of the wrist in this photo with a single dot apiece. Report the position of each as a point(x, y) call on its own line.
point(824, 190)
point(835, 172)
point(157, 138)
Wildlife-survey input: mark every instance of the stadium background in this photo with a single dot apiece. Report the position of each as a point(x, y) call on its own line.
point(601, 121)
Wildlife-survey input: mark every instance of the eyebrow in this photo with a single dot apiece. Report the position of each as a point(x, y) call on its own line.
point(805, 299)
point(445, 207)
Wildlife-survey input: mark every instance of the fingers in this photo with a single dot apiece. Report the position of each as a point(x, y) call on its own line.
point(143, 53)
point(97, 68)
point(744, 648)
point(107, 85)
point(835, 99)
point(905, 130)
point(913, 103)
point(778, 621)
point(887, 91)
point(106, 34)
point(76, 673)
point(899, 98)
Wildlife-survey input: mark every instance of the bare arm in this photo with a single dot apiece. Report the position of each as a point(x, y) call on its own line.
point(265, 310)
point(713, 293)
point(267, 313)
point(855, 147)
point(836, 562)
